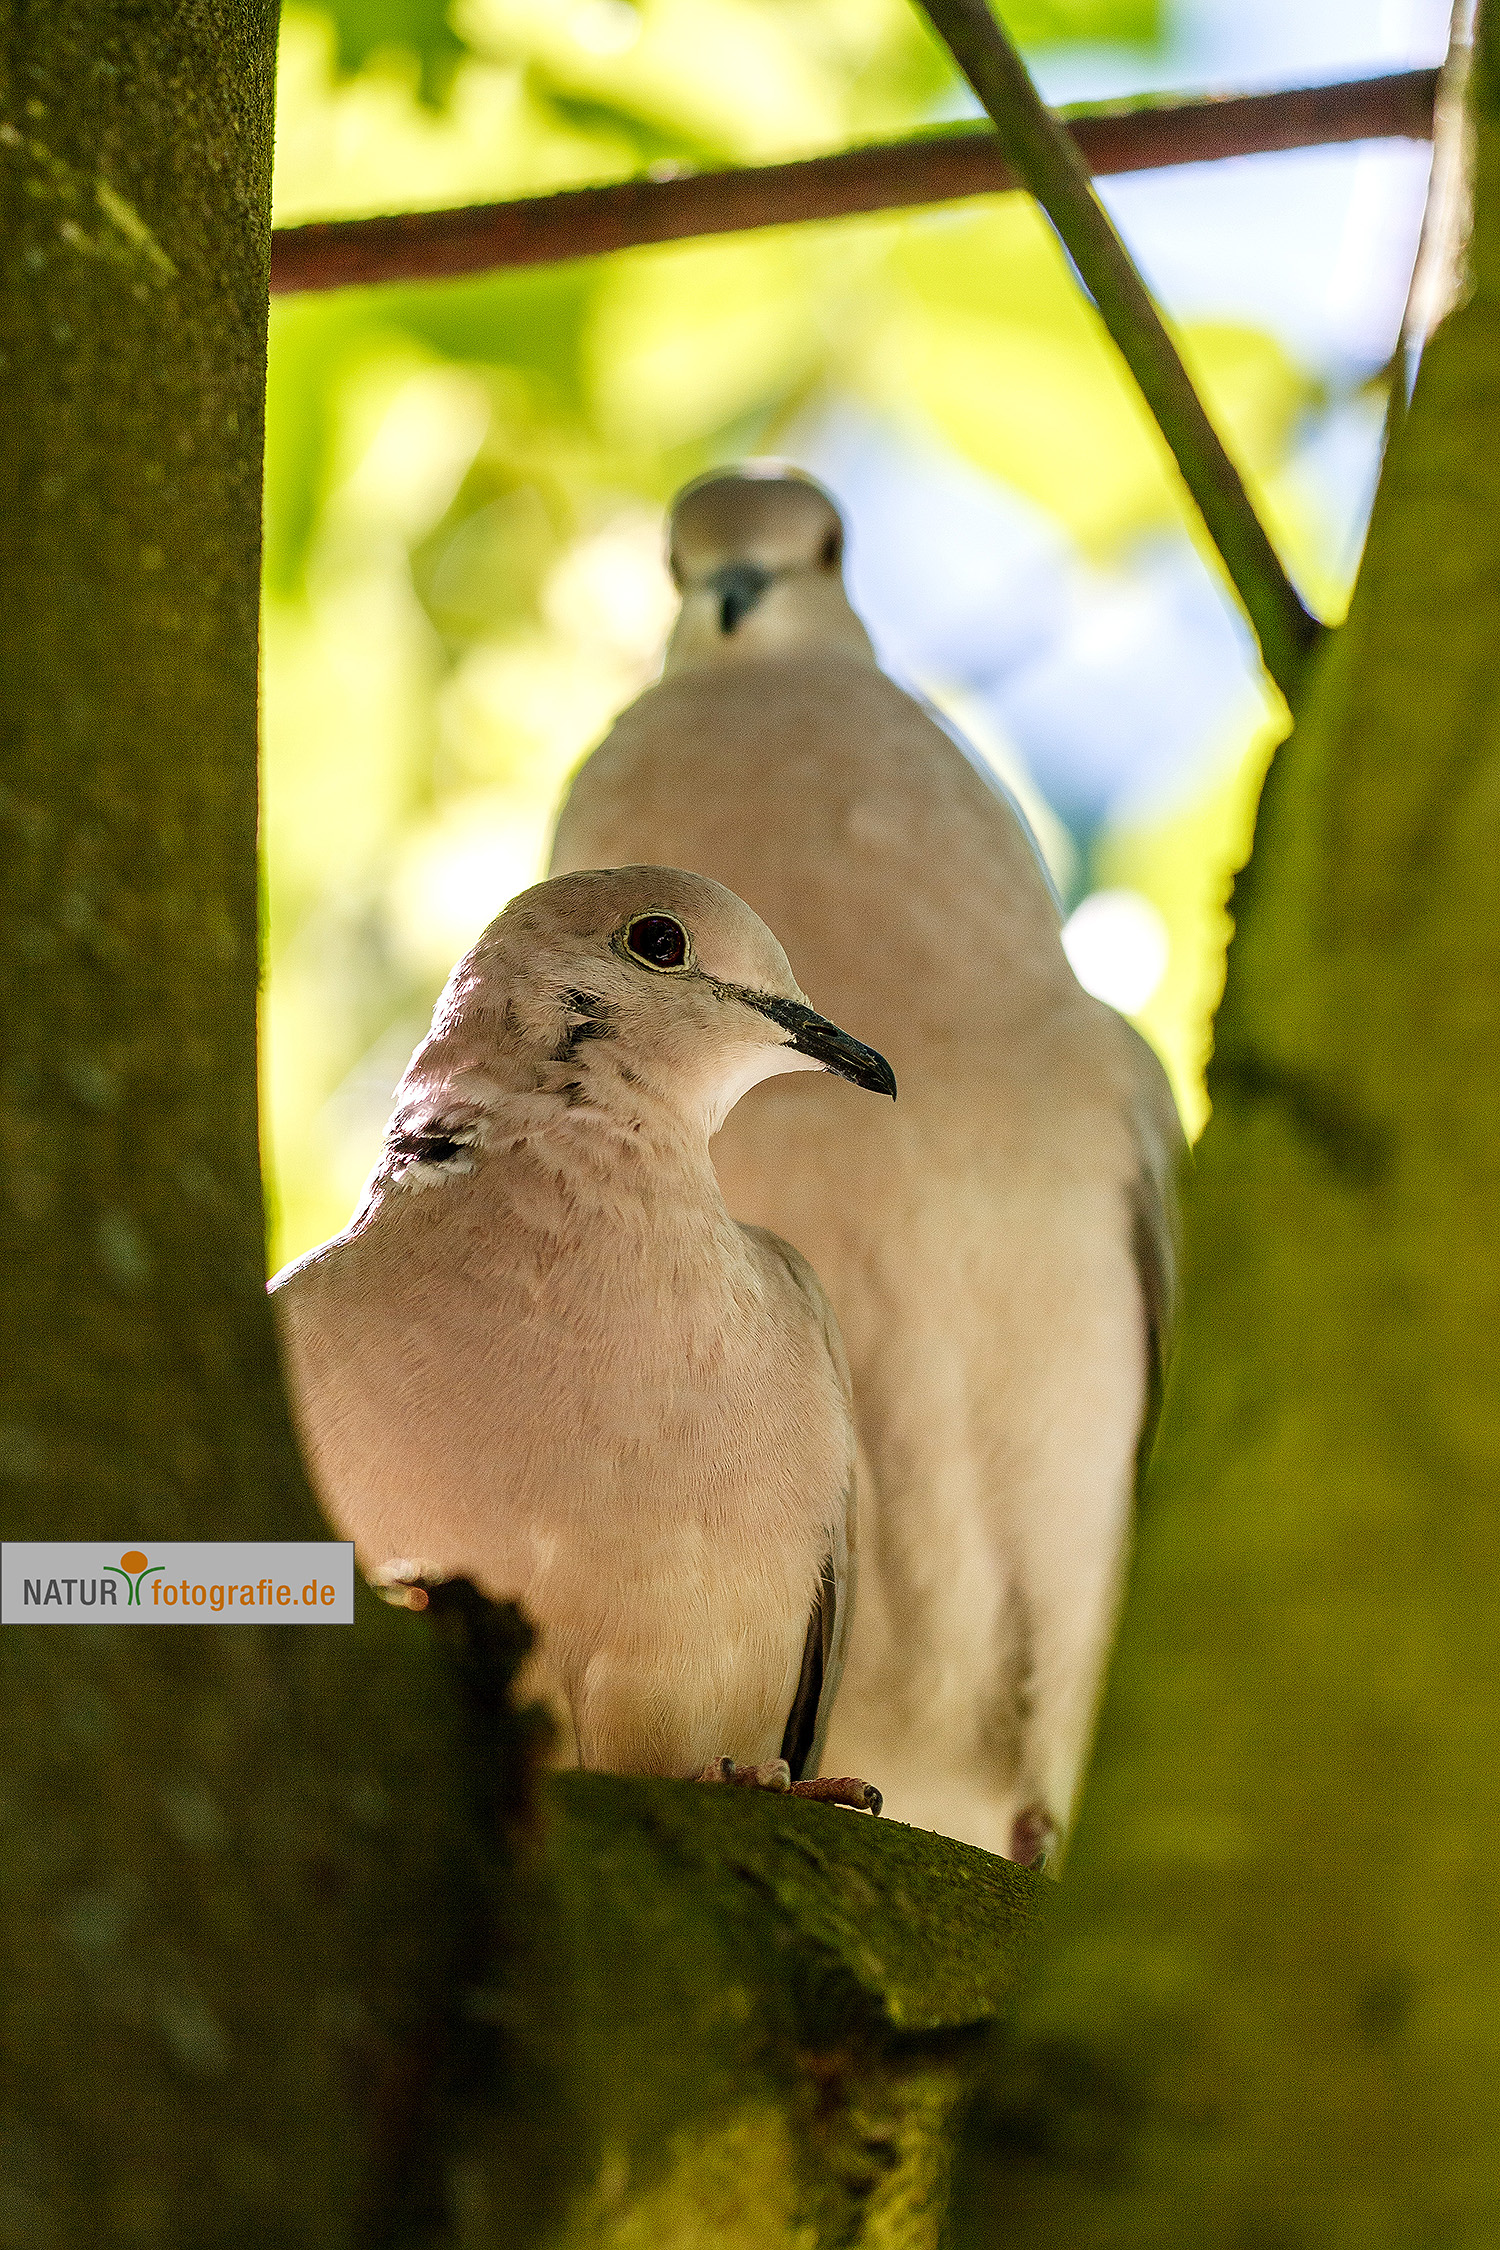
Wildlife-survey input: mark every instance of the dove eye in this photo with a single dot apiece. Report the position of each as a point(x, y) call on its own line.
point(658, 941)
point(833, 550)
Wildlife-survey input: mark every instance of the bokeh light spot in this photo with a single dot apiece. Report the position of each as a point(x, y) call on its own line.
point(1118, 946)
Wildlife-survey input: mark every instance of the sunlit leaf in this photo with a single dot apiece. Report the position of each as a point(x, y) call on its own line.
point(991, 338)
point(723, 75)
point(1050, 23)
point(419, 27)
point(685, 340)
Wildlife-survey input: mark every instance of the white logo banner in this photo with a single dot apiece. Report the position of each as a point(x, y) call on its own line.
point(177, 1582)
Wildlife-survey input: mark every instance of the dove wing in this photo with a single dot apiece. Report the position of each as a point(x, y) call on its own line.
point(822, 1662)
point(833, 1602)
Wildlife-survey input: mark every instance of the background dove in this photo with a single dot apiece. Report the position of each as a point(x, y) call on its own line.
point(543, 1356)
point(998, 1250)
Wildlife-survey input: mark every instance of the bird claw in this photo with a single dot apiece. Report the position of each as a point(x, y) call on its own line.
point(776, 1774)
point(845, 1789)
point(1033, 1837)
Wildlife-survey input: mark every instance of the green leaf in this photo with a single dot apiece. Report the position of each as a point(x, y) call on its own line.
point(363, 28)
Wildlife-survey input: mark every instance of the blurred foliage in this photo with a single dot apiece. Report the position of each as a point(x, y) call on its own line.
point(465, 482)
point(363, 28)
point(1184, 864)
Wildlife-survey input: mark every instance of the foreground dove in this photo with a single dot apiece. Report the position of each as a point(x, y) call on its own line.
point(1000, 1250)
point(543, 1357)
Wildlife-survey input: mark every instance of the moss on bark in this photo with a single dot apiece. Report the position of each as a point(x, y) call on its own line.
point(1267, 2012)
point(249, 1873)
point(780, 2007)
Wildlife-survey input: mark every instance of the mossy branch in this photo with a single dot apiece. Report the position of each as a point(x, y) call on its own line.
point(1043, 154)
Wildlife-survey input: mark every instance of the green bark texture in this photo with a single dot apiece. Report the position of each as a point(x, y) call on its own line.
point(294, 1957)
point(1266, 2013)
point(779, 2008)
point(250, 1873)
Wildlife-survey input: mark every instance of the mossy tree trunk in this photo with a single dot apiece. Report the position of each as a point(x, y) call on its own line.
point(290, 1961)
point(249, 1871)
point(780, 2008)
point(1268, 2008)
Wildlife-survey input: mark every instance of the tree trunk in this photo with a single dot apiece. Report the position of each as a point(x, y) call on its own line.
point(295, 1959)
point(779, 2010)
point(249, 1870)
point(1267, 2011)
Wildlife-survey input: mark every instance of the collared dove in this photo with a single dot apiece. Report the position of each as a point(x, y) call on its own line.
point(1000, 1250)
point(543, 1357)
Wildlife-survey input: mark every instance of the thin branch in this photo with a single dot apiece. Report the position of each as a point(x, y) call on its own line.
point(1046, 156)
point(893, 175)
point(1437, 276)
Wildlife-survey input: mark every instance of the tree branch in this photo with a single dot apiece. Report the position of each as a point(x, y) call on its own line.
point(1045, 155)
point(934, 168)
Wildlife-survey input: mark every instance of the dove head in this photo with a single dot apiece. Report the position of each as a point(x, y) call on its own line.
point(618, 997)
point(757, 555)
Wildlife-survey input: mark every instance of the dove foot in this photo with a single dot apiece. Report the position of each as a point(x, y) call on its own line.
point(1033, 1837)
point(843, 1789)
point(776, 1774)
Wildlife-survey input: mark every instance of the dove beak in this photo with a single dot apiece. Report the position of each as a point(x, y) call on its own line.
point(738, 587)
point(812, 1034)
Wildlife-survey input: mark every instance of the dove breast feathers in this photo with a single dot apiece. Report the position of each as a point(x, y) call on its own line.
point(552, 1363)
